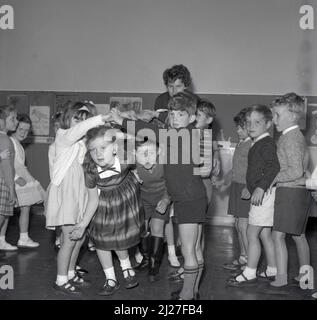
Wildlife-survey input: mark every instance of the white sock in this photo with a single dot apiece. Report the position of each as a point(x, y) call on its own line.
point(2, 238)
point(126, 264)
point(60, 280)
point(171, 250)
point(249, 273)
point(110, 275)
point(138, 257)
point(271, 271)
point(71, 274)
point(24, 236)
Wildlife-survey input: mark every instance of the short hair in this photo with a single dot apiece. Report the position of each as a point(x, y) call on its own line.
point(6, 110)
point(207, 108)
point(178, 71)
point(78, 110)
point(183, 102)
point(23, 117)
point(294, 103)
point(240, 118)
point(261, 108)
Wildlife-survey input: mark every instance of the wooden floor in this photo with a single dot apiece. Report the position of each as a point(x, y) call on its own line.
point(35, 270)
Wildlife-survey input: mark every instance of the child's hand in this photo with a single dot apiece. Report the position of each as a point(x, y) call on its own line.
point(20, 181)
point(162, 205)
point(78, 231)
point(147, 115)
point(215, 166)
point(116, 116)
point(257, 197)
point(107, 117)
point(13, 197)
point(245, 194)
point(5, 154)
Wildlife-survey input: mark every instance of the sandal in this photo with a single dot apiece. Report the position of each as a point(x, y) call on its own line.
point(78, 280)
point(67, 288)
point(264, 275)
point(176, 277)
point(234, 265)
point(130, 281)
point(80, 270)
point(232, 282)
point(107, 289)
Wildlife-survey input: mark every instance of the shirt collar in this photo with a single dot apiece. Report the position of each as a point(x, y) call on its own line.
point(289, 129)
point(263, 135)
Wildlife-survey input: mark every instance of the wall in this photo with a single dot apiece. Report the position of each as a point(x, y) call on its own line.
point(231, 47)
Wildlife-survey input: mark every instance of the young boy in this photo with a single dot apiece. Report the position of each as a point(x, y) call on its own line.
point(184, 186)
point(238, 207)
point(292, 201)
point(8, 122)
point(263, 166)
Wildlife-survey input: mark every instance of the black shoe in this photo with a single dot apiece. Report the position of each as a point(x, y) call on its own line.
point(156, 255)
point(109, 290)
point(130, 281)
point(143, 264)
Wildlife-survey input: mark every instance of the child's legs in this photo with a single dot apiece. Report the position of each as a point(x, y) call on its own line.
point(157, 227)
point(188, 233)
point(281, 254)
point(65, 252)
point(198, 246)
point(122, 254)
point(105, 258)
point(242, 227)
point(74, 257)
point(302, 250)
point(169, 232)
point(2, 220)
point(4, 226)
point(254, 249)
point(268, 244)
point(24, 219)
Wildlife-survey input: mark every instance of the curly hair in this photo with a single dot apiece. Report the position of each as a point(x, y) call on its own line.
point(240, 118)
point(184, 102)
point(294, 103)
point(6, 110)
point(178, 71)
point(207, 108)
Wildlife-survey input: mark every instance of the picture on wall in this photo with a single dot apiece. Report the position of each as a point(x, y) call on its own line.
point(126, 103)
point(311, 133)
point(40, 116)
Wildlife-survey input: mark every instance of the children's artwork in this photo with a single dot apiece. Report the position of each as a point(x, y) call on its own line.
point(102, 108)
point(20, 102)
point(40, 116)
point(126, 103)
point(311, 133)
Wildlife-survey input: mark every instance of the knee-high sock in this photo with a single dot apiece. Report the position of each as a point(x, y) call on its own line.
point(200, 272)
point(190, 275)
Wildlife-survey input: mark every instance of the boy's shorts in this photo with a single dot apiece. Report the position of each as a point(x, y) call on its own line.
point(6, 207)
point(150, 212)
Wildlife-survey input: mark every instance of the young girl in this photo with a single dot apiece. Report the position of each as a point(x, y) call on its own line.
point(263, 167)
point(29, 191)
point(115, 218)
point(67, 194)
point(238, 207)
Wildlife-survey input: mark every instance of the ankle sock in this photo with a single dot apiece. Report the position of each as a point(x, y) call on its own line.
point(71, 274)
point(24, 236)
point(138, 257)
point(126, 264)
point(249, 273)
point(190, 276)
point(171, 250)
point(110, 275)
point(60, 280)
point(280, 280)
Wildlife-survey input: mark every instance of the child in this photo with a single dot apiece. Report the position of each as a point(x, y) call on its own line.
point(263, 166)
point(238, 207)
point(8, 122)
point(29, 191)
point(185, 187)
point(67, 194)
point(114, 217)
point(155, 202)
point(292, 201)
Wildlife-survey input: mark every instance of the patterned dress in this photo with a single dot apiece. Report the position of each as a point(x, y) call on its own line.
point(119, 220)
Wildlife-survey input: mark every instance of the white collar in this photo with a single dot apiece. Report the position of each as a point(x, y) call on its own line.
point(289, 129)
point(115, 169)
point(263, 135)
